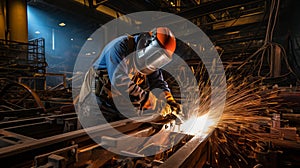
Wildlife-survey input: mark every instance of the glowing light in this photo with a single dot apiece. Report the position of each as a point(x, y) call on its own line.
point(37, 32)
point(90, 39)
point(200, 126)
point(53, 39)
point(62, 24)
point(244, 114)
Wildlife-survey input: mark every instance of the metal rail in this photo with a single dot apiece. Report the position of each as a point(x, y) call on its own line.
point(52, 147)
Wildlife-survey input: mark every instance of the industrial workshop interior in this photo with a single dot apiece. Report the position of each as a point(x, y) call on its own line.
point(149, 83)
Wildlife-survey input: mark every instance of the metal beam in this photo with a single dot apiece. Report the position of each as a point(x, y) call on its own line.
point(213, 6)
point(76, 9)
point(131, 6)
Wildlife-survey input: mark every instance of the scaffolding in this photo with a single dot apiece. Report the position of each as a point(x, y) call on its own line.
point(22, 59)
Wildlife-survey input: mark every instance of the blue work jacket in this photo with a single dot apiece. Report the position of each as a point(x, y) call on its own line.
point(116, 52)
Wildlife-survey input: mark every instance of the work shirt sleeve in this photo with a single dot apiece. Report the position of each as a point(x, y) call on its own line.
point(156, 80)
point(117, 65)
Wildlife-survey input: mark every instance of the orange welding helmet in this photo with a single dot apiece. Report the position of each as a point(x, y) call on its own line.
point(154, 50)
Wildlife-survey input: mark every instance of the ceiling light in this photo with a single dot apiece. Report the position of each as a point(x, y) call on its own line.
point(37, 32)
point(90, 39)
point(62, 24)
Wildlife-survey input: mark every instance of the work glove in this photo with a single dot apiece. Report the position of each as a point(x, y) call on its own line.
point(150, 102)
point(165, 104)
point(175, 107)
point(159, 105)
point(163, 108)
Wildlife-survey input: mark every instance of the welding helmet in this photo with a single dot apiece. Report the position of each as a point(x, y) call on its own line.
point(154, 50)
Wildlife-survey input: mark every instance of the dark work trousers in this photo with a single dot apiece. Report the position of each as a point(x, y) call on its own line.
point(108, 110)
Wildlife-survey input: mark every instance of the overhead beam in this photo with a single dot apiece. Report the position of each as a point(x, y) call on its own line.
point(101, 8)
point(77, 9)
point(213, 6)
point(131, 6)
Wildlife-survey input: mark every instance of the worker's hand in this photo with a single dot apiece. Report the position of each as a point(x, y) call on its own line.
point(163, 108)
point(159, 105)
point(176, 111)
point(165, 104)
point(175, 107)
point(150, 103)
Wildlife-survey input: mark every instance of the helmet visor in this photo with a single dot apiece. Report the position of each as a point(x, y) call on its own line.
point(150, 56)
point(157, 60)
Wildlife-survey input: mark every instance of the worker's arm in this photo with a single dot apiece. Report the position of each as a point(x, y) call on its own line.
point(156, 80)
point(118, 72)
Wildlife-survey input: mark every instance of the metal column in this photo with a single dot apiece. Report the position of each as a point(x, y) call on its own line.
point(17, 20)
point(2, 19)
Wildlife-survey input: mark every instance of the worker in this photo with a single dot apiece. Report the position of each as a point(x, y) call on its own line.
point(137, 76)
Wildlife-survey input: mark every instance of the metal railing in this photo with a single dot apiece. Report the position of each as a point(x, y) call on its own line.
point(22, 59)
